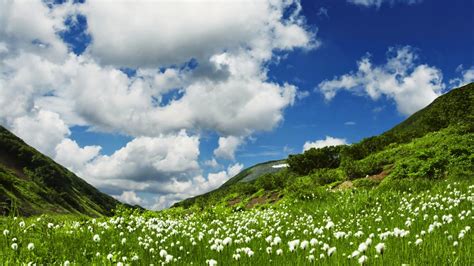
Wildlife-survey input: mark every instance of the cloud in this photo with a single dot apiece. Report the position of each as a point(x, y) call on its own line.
point(467, 76)
point(31, 26)
point(227, 147)
point(212, 163)
point(323, 12)
point(328, 141)
point(228, 91)
point(411, 86)
point(129, 197)
point(378, 3)
point(69, 154)
point(145, 160)
point(206, 71)
point(350, 123)
point(197, 185)
point(166, 33)
point(42, 129)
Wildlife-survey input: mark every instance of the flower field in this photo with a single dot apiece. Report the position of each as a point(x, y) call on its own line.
point(346, 228)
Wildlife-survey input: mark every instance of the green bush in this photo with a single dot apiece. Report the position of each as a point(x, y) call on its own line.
point(326, 176)
point(365, 183)
point(312, 159)
point(362, 168)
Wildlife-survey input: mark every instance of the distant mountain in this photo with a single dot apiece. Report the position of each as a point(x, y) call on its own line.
point(435, 142)
point(31, 183)
point(252, 173)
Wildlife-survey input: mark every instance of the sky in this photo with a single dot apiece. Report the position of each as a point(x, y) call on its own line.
point(153, 102)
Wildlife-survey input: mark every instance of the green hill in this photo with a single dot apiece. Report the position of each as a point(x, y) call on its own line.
point(31, 183)
point(435, 143)
point(252, 173)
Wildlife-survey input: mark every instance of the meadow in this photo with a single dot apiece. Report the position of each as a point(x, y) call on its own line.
point(350, 227)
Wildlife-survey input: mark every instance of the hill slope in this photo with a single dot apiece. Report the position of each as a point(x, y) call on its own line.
point(31, 183)
point(252, 173)
point(434, 143)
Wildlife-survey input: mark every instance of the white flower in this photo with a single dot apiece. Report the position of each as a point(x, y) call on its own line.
point(304, 244)
point(134, 258)
point(455, 243)
point(211, 262)
point(119, 263)
point(227, 241)
point(14, 246)
point(31, 246)
point(168, 258)
point(362, 247)
point(236, 256)
point(276, 240)
point(279, 251)
point(380, 247)
point(313, 242)
point(368, 241)
point(311, 257)
point(329, 225)
point(418, 241)
point(163, 253)
point(6, 232)
point(362, 259)
point(250, 253)
point(96, 238)
point(67, 263)
point(331, 251)
point(124, 240)
point(269, 250)
point(22, 224)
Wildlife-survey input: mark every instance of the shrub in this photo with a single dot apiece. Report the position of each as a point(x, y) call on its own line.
point(365, 183)
point(327, 157)
point(326, 176)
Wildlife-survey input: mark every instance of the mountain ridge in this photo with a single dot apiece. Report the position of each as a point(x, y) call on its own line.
point(32, 183)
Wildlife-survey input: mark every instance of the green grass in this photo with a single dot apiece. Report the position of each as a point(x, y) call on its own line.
point(192, 238)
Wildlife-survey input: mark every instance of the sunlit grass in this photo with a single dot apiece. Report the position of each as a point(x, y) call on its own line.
point(351, 227)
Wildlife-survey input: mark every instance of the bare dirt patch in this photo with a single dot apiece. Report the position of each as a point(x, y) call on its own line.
point(267, 198)
point(234, 202)
point(380, 176)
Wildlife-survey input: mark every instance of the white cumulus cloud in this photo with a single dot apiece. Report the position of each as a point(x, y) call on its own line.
point(467, 76)
point(227, 147)
point(129, 197)
point(45, 89)
point(411, 86)
point(42, 129)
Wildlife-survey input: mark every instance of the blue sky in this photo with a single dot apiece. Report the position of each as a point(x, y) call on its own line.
point(311, 72)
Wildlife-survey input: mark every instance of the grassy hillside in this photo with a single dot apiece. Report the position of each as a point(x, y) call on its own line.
point(423, 227)
point(31, 183)
point(433, 144)
point(252, 173)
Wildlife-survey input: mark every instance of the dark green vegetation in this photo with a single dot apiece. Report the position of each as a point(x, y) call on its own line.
point(31, 183)
point(433, 144)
